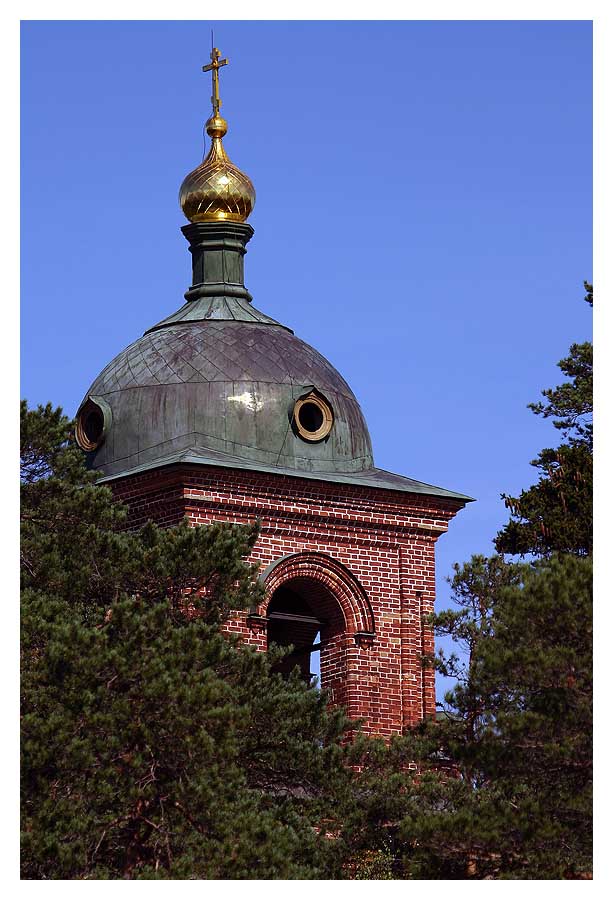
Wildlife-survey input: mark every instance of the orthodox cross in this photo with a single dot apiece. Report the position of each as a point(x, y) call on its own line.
point(213, 67)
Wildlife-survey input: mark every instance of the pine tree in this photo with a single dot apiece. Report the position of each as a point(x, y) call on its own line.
point(518, 724)
point(501, 785)
point(556, 513)
point(153, 745)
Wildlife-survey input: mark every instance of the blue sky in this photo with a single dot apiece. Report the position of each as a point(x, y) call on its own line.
point(423, 217)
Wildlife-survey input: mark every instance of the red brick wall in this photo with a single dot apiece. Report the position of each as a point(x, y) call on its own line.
point(372, 549)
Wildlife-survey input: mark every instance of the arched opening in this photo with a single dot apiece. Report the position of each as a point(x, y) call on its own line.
point(304, 612)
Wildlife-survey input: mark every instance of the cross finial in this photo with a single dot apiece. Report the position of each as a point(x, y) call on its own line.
point(213, 67)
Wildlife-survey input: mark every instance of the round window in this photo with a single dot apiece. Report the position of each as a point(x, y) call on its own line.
point(313, 417)
point(90, 426)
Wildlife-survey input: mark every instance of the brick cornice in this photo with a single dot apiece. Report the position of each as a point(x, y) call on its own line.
point(190, 480)
point(315, 518)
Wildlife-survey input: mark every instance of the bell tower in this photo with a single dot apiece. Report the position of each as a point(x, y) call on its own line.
point(219, 413)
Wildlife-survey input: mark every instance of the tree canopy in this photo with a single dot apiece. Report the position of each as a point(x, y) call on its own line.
point(152, 744)
point(555, 514)
point(504, 783)
point(517, 728)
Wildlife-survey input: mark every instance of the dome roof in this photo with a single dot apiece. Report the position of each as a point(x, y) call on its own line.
point(228, 386)
point(218, 382)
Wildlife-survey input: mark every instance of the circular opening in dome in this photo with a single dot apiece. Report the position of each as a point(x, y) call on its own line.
point(90, 426)
point(93, 426)
point(313, 417)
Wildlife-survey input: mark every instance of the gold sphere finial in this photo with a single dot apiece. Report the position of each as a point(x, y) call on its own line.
point(216, 127)
point(217, 189)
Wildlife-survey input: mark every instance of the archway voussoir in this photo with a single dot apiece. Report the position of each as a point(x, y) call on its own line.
point(320, 567)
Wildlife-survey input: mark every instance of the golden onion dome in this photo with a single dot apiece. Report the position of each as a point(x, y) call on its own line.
point(217, 189)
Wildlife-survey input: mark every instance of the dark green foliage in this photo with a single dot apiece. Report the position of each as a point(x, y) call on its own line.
point(144, 755)
point(520, 732)
point(555, 515)
point(501, 785)
point(474, 587)
point(504, 782)
point(571, 403)
point(517, 728)
point(153, 745)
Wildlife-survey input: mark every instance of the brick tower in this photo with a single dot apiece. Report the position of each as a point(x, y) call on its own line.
point(221, 414)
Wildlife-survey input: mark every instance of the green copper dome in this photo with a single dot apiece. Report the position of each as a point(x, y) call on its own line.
point(228, 386)
point(220, 383)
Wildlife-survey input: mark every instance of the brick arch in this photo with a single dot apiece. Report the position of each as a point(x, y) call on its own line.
point(331, 574)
